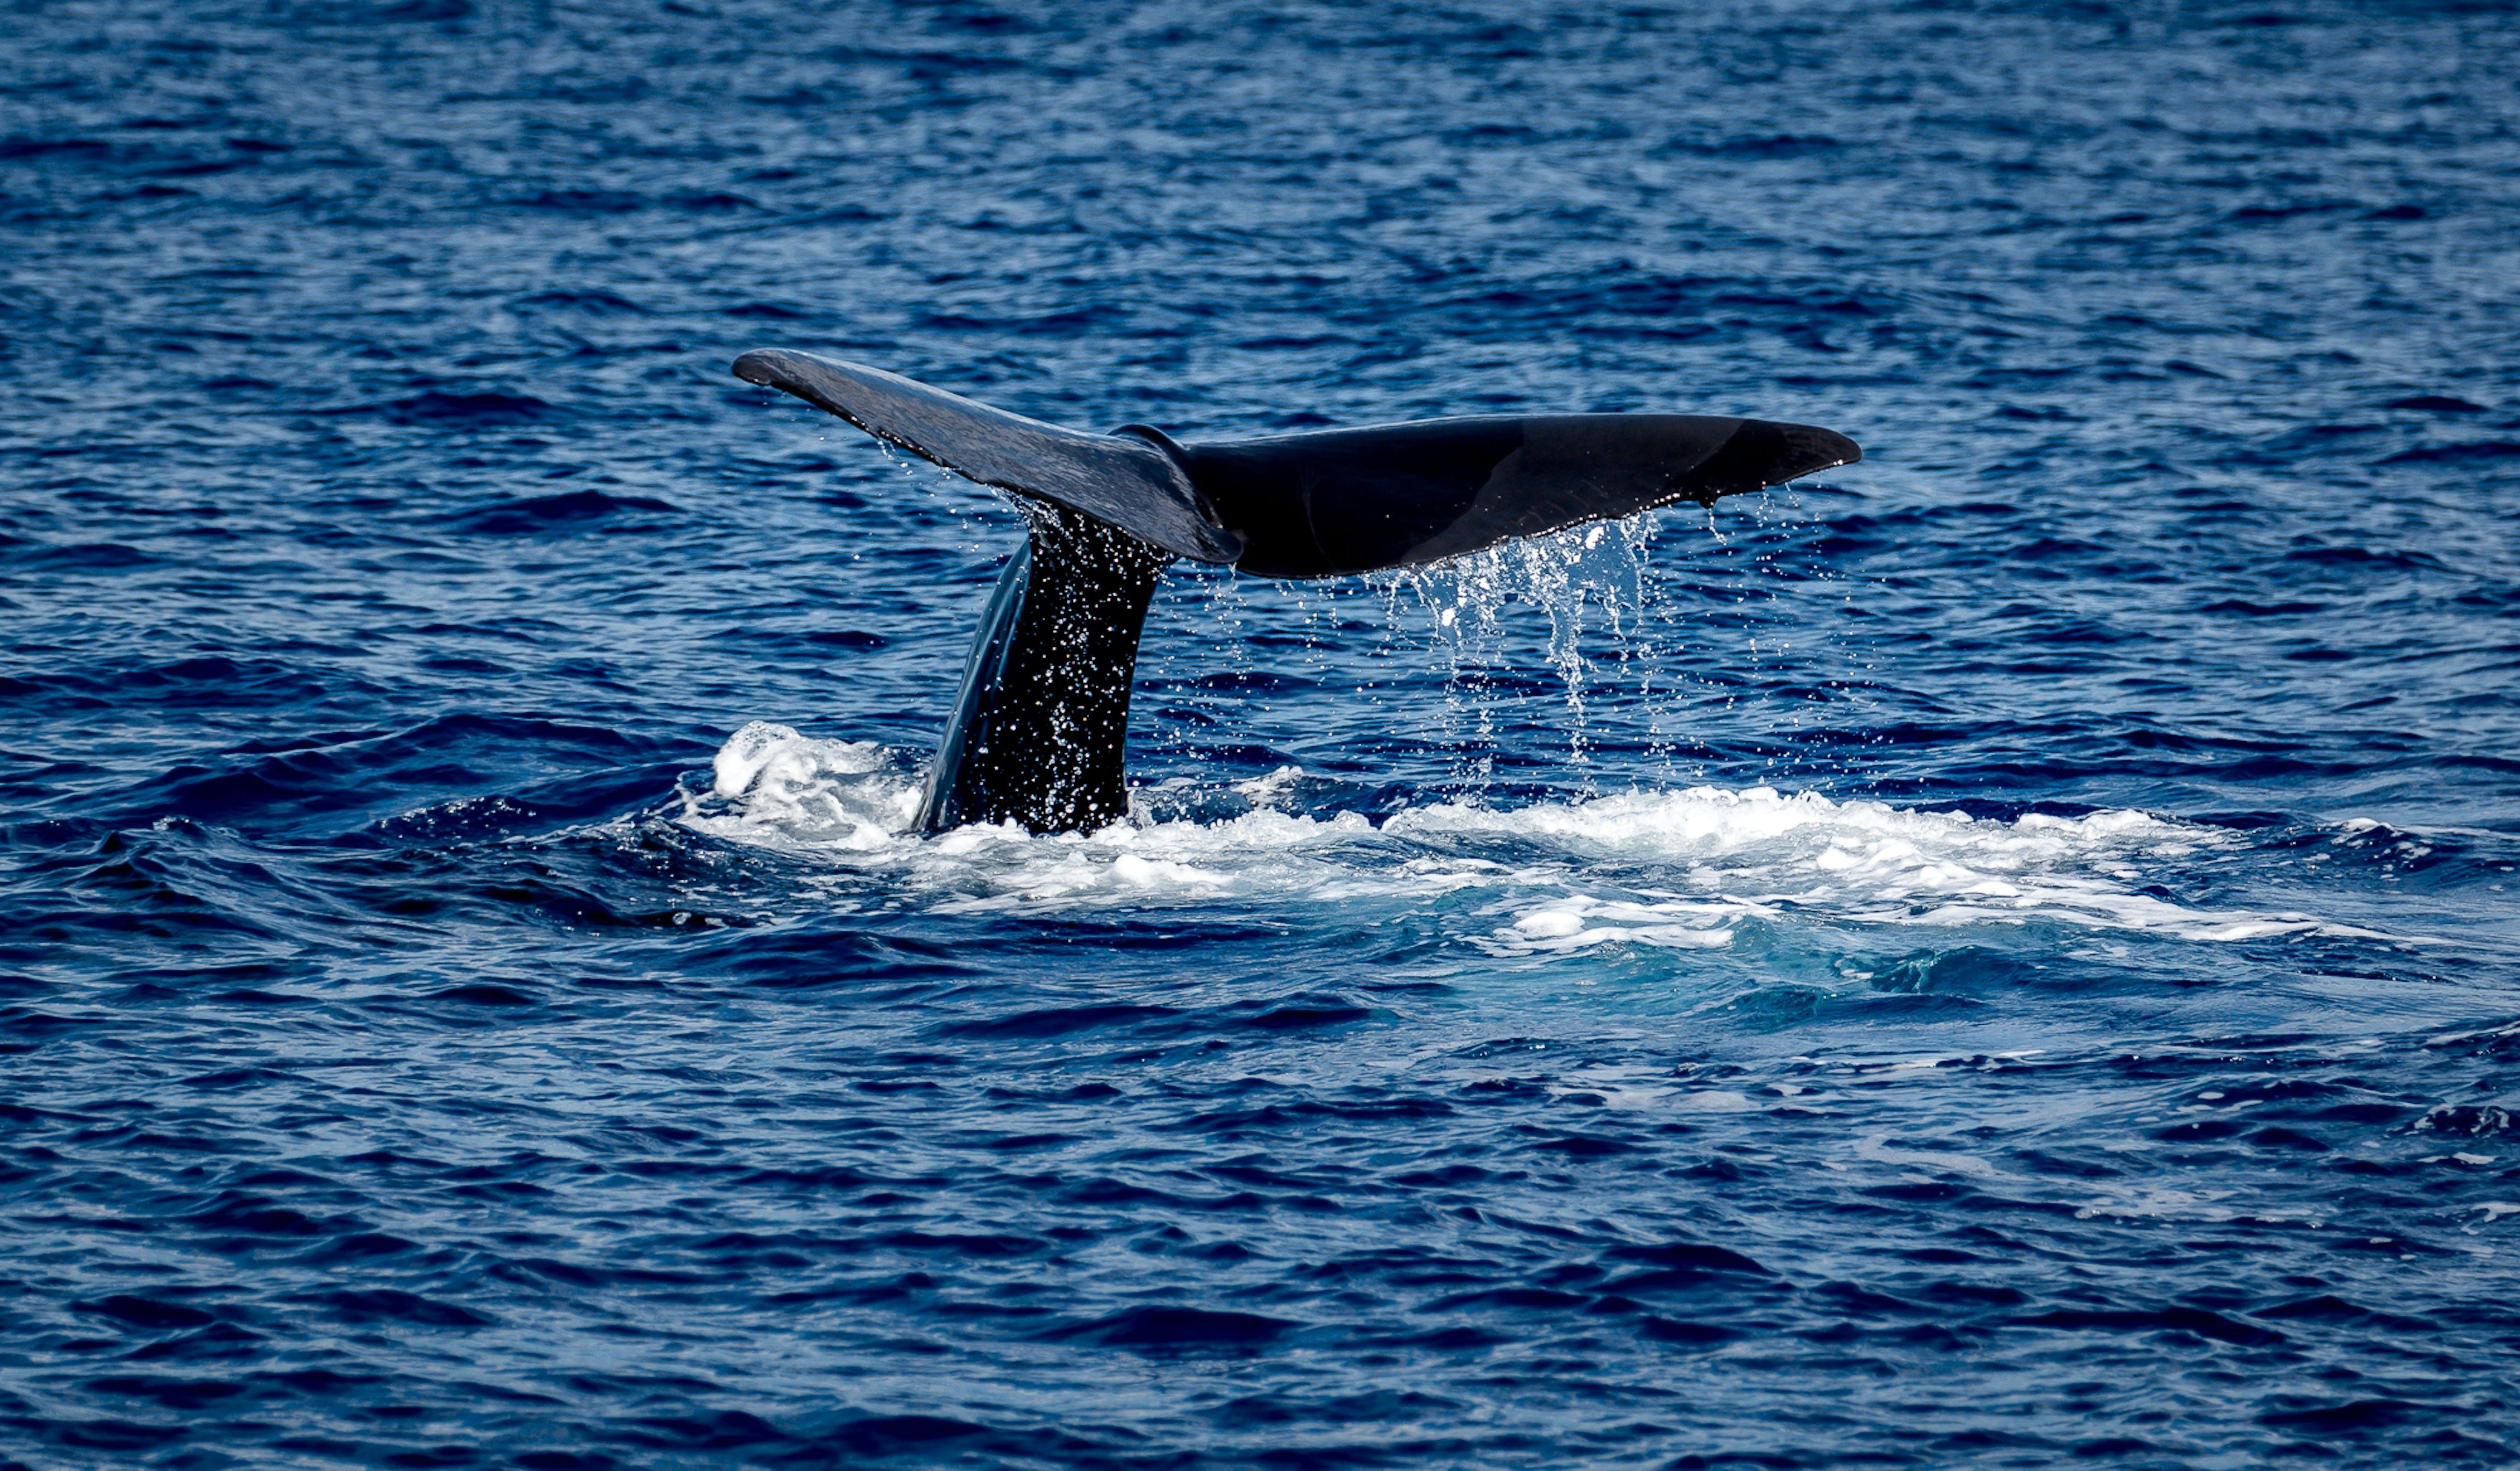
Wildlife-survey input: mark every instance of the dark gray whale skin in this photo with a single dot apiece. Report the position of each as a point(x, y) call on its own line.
point(1040, 727)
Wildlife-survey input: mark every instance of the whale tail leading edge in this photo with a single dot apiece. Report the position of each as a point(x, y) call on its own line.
point(1038, 731)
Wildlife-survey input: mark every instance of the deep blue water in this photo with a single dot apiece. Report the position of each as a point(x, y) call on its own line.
point(2003, 955)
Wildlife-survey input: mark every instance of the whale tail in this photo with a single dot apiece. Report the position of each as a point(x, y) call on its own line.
point(1039, 730)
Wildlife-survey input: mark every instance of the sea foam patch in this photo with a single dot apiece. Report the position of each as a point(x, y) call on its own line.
point(1673, 870)
point(778, 787)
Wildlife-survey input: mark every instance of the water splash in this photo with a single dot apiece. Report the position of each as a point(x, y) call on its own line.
point(1668, 868)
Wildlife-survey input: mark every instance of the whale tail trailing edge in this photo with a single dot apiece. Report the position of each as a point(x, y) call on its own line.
point(1039, 730)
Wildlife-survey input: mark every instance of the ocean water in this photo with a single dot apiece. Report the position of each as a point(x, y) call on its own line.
point(2003, 955)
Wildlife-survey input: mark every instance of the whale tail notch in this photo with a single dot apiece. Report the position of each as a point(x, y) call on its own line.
point(1039, 730)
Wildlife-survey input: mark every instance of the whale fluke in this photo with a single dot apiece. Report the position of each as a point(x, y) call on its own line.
point(1399, 495)
point(1125, 480)
point(1040, 728)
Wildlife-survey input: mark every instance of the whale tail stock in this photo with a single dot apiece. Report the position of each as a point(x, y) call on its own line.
point(1039, 730)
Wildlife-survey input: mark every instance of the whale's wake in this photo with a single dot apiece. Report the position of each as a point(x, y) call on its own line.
point(1670, 869)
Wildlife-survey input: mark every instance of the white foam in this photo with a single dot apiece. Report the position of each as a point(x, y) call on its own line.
point(1878, 1149)
point(1669, 869)
point(785, 789)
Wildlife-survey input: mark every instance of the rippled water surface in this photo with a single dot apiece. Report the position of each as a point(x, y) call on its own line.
point(2004, 955)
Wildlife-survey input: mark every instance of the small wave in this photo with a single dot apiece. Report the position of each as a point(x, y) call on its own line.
point(433, 407)
point(1672, 869)
point(2452, 454)
point(584, 201)
point(596, 303)
point(83, 557)
point(534, 515)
